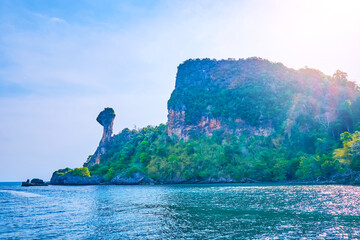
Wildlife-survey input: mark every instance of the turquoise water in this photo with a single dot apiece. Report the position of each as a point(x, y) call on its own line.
point(179, 212)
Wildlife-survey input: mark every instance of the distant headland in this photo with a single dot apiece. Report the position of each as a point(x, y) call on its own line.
point(246, 120)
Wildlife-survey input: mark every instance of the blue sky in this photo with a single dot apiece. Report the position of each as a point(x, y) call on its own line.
point(62, 62)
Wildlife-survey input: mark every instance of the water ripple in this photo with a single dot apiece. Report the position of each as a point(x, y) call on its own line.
point(180, 212)
point(21, 193)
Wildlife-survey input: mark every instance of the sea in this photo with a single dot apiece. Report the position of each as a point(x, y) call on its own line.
point(207, 211)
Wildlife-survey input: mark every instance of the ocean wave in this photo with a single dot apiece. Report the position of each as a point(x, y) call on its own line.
point(21, 193)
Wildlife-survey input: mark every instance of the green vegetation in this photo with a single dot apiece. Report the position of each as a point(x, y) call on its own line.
point(84, 172)
point(62, 172)
point(314, 120)
point(163, 158)
point(349, 154)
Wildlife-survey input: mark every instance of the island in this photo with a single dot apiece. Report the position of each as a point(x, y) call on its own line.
point(34, 182)
point(244, 120)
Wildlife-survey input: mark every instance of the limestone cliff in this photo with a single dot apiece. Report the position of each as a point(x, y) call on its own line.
point(106, 119)
point(252, 96)
point(178, 126)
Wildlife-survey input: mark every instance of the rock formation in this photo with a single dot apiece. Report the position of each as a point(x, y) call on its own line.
point(178, 126)
point(69, 179)
point(244, 120)
point(34, 182)
point(106, 119)
point(250, 96)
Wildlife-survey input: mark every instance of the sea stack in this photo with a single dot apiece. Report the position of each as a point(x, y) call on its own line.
point(106, 119)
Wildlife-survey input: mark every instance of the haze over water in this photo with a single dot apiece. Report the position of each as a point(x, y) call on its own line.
point(179, 212)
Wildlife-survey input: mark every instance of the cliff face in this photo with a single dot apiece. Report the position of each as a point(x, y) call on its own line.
point(252, 96)
point(177, 125)
point(106, 119)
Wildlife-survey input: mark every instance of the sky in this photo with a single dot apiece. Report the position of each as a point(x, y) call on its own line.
point(64, 61)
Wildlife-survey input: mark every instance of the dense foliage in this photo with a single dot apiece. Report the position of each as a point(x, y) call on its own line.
point(168, 159)
point(257, 91)
point(83, 172)
point(314, 118)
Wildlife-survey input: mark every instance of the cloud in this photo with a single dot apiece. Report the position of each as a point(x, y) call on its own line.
point(57, 20)
point(72, 58)
point(45, 17)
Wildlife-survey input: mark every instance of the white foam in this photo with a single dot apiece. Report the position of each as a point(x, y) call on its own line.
point(21, 193)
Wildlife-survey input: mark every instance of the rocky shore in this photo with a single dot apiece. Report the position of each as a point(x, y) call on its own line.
point(69, 179)
point(352, 178)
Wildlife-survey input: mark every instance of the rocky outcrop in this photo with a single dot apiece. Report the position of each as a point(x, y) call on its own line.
point(178, 126)
point(69, 179)
point(34, 182)
point(211, 95)
point(106, 119)
point(252, 96)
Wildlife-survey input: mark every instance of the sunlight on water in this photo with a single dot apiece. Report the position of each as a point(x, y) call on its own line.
point(180, 212)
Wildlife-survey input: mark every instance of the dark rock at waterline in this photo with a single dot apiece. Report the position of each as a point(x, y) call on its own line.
point(347, 178)
point(136, 179)
point(69, 179)
point(34, 182)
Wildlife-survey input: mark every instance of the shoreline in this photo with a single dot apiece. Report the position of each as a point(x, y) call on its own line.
point(284, 183)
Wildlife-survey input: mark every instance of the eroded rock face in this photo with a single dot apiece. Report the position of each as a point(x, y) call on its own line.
point(106, 119)
point(177, 125)
point(207, 125)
